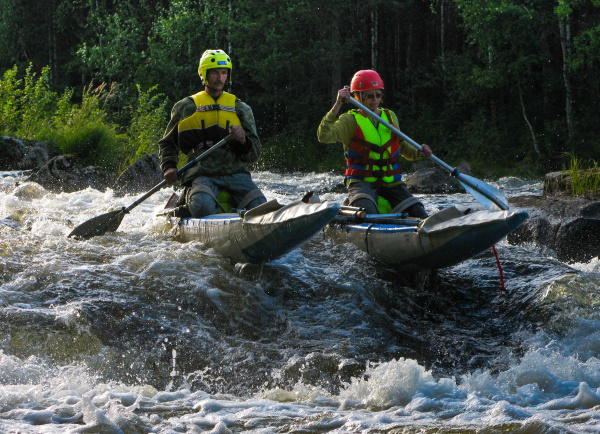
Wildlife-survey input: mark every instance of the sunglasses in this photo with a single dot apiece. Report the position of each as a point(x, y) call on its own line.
point(374, 95)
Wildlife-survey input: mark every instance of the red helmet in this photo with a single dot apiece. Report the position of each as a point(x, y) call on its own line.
point(367, 79)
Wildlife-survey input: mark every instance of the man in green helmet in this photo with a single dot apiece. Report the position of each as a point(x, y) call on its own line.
point(198, 122)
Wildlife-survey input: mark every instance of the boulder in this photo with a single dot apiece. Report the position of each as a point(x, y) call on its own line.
point(569, 226)
point(429, 179)
point(561, 183)
point(141, 176)
point(64, 174)
point(436, 180)
point(557, 183)
point(20, 154)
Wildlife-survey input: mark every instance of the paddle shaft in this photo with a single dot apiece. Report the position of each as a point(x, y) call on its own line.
point(453, 171)
point(179, 172)
point(384, 219)
point(109, 222)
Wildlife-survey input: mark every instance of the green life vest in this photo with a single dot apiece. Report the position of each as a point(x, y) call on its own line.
point(373, 153)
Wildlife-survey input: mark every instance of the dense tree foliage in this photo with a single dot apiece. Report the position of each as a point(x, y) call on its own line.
point(509, 85)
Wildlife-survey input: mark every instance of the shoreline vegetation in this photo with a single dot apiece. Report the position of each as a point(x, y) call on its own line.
point(584, 181)
point(87, 130)
point(509, 87)
point(82, 126)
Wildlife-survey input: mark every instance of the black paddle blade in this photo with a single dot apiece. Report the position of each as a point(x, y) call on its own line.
point(99, 225)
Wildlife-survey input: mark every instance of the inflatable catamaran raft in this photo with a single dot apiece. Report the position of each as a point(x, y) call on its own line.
point(259, 235)
point(444, 239)
point(271, 230)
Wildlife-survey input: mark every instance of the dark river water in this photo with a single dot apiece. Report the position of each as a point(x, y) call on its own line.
point(135, 332)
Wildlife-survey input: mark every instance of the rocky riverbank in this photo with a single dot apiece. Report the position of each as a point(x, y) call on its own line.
point(63, 173)
point(568, 226)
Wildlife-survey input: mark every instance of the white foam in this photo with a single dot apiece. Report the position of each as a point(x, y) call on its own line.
point(585, 398)
point(394, 383)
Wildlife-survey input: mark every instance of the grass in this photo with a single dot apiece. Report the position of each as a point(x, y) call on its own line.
point(585, 181)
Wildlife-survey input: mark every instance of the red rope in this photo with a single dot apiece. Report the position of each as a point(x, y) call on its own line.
point(499, 268)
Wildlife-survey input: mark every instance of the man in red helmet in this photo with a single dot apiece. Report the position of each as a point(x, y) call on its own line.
point(372, 150)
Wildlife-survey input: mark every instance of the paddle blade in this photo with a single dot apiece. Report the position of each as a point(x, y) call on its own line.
point(490, 197)
point(99, 225)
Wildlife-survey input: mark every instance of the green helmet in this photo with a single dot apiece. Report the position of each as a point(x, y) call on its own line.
point(213, 59)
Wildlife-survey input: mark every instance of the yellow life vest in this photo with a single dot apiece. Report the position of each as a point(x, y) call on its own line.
point(209, 123)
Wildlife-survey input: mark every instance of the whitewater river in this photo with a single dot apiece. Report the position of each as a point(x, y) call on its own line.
point(134, 332)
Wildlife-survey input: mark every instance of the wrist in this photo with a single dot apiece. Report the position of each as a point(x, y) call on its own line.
point(168, 166)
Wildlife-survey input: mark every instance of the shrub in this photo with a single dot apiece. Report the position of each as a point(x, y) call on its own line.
point(147, 124)
point(26, 105)
point(10, 94)
point(30, 109)
point(37, 103)
point(84, 130)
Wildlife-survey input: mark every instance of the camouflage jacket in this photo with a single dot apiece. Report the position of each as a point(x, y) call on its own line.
point(223, 161)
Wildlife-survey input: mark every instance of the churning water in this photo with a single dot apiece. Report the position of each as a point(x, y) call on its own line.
point(134, 332)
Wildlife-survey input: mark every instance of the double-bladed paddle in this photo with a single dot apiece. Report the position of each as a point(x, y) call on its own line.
point(110, 221)
point(488, 196)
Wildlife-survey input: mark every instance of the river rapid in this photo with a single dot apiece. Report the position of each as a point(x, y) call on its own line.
point(135, 332)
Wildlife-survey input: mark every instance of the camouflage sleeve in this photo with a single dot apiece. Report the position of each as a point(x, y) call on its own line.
point(246, 116)
point(168, 145)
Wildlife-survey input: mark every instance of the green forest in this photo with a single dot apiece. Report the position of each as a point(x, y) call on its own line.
point(510, 86)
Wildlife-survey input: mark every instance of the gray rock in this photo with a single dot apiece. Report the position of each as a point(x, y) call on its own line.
point(64, 174)
point(561, 183)
point(436, 180)
point(141, 176)
point(19, 154)
point(569, 226)
point(557, 183)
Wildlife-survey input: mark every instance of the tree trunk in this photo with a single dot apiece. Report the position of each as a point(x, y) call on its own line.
point(492, 99)
point(564, 25)
point(443, 41)
point(396, 59)
point(408, 65)
point(336, 69)
point(229, 21)
point(374, 42)
point(52, 48)
point(533, 139)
